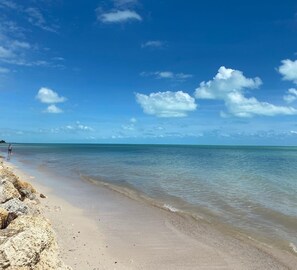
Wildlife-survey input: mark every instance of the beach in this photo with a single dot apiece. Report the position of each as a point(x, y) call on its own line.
point(99, 228)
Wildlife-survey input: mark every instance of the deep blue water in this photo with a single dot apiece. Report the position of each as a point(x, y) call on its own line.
point(251, 188)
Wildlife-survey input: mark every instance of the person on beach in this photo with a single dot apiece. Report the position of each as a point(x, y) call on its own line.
point(9, 151)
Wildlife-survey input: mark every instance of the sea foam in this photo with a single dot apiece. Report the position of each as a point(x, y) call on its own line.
point(293, 247)
point(170, 208)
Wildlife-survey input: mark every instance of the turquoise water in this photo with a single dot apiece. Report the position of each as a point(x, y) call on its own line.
point(253, 189)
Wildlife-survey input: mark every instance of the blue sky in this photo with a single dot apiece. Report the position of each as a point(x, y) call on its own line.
point(140, 71)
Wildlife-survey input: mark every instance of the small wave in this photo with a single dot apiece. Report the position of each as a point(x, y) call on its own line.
point(293, 247)
point(170, 208)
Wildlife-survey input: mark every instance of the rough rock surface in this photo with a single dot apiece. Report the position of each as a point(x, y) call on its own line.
point(27, 240)
point(31, 244)
point(16, 207)
point(3, 218)
point(8, 191)
point(25, 189)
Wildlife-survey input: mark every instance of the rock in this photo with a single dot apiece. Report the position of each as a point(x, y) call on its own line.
point(34, 206)
point(25, 189)
point(3, 218)
point(8, 191)
point(29, 243)
point(42, 196)
point(11, 217)
point(6, 174)
point(27, 240)
point(16, 207)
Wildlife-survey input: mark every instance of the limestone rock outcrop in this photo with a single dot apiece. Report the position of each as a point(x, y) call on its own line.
point(25, 189)
point(16, 207)
point(31, 243)
point(8, 191)
point(3, 218)
point(27, 240)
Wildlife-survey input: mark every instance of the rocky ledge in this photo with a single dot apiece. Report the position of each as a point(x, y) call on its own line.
point(27, 240)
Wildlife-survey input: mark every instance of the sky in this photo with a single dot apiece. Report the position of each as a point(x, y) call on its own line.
point(143, 71)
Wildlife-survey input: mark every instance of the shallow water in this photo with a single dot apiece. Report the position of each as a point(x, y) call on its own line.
point(250, 188)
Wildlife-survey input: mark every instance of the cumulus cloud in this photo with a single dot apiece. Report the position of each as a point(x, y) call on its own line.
point(291, 95)
point(289, 70)
point(230, 85)
point(167, 75)
point(153, 44)
point(46, 95)
point(226, 81)
point(167, 104)
point(118, 16)
point(53, 109)
point(241, 106)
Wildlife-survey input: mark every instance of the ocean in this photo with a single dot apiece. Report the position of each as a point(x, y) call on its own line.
point(252, 190)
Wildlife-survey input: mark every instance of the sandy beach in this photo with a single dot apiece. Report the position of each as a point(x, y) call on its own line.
point(101, 229)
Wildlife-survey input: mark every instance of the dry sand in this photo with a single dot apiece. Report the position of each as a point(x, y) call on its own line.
point(100, 229)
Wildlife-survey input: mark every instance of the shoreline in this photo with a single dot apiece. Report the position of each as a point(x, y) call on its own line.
point(110, 231)
point(201, 215)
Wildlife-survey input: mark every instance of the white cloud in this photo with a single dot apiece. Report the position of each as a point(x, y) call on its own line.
point(164, 74)
point(291, 95)
point(167, 104)
point(118, 16)
point(46, 95)
point(289, 70)
point(152, 44)
point(230, 85)
point(133, 120)
point(241, 106)
point(226, 81)
point(53, 109)
point(78, 127)
point(167, 75)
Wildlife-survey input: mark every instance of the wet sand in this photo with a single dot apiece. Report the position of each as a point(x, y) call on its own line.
point(101, 229)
